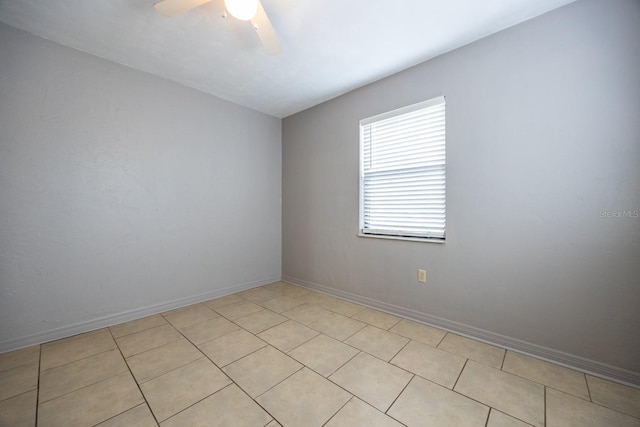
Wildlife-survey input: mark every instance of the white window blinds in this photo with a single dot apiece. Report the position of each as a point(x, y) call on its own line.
point(402, 172)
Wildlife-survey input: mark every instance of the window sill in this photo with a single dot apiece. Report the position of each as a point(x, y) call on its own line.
point(410, 239)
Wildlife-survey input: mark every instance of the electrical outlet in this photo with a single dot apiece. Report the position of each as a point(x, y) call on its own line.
point(422, 276)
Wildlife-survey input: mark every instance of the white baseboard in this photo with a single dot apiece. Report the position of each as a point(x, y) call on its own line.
point(114, 319)
point(578, 363)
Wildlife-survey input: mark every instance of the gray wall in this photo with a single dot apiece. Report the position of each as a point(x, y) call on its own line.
point(123, 194)
point(543, 135)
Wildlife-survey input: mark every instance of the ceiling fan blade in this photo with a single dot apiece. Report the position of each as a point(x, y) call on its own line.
point(176, 7)
point(265, 31)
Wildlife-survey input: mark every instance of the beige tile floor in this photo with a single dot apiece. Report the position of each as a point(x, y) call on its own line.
point(281, 355)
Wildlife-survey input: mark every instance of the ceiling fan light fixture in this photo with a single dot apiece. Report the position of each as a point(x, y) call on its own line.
point(242, 9)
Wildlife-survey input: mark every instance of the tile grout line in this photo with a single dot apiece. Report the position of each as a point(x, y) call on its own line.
point(146, 330)
point(126, 410)
point(168, 372)
point(465, 396)
point(299, 345)
point(71, 338)
point(389, 329)
point(460, 374)
point(399, 394)
point(378, 357)
point(252, 352)
point(338, 385)
point(38, 389)
point(18, 367)
point(258, 403)
point(135, 380)
point(393, 418)
point(327, 377)
point(193, 324)
point(221, 367)
point(402, 348)
point(601, 405)
point(270, 327)
point(141, 330)
point(323, 332)
point(279, 382)
point(586, 382)
point(78, 360)
point(544, 402)
point(441, 339)
point(340, 367)
point(504, 358)
point(486, 423)
point(208, 341)
point(339, 409)
point(198, 401)
point(510, 415)
point(83, 387)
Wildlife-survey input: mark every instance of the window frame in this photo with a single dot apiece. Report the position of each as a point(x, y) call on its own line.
point(433, 238)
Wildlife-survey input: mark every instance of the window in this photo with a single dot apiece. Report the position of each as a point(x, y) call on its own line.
point(402, 173)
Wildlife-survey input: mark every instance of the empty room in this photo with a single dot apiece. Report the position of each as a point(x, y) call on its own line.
point(320, 213)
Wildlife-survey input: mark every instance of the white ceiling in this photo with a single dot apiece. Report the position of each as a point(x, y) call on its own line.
point(330, 46)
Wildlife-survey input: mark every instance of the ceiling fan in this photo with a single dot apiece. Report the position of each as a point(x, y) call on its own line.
point(244, 10)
